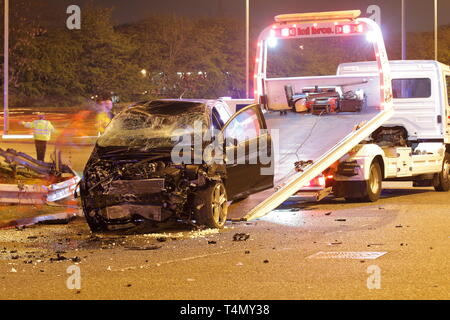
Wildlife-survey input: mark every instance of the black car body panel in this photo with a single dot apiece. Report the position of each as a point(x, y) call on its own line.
point(131, 174)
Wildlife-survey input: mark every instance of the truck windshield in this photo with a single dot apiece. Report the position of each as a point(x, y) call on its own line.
point(316, 56)
point(158, 124)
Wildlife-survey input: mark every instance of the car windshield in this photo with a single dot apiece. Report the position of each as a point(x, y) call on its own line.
point(156, 124)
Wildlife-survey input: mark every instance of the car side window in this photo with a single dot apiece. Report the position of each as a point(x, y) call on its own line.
point(217, 120)
point(244, 126)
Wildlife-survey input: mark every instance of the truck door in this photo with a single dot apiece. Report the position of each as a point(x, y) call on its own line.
point(248, 146)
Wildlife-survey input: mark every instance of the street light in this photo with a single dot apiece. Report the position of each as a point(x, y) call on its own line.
point(403, 30)
point(6, 70)
point(247, 54)
point(435, 30)
point(144, 72)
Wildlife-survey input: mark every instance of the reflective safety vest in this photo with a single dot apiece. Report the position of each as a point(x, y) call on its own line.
point(102, 120)
point(42, 129)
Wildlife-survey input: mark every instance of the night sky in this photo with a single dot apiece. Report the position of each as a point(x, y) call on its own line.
point(419, 12)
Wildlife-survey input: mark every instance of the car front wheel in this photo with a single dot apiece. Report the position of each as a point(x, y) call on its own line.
point(213, 209)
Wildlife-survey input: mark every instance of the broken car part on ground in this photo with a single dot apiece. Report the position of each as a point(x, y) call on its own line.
point(25, 180)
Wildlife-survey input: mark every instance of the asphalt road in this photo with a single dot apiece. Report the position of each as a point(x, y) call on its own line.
point(409, 227)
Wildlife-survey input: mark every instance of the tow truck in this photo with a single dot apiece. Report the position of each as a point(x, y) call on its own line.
point(394, 125)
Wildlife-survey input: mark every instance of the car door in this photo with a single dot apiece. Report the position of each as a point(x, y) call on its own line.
point(249, 155)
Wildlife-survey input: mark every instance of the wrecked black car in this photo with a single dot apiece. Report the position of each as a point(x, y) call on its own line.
point(175, 159)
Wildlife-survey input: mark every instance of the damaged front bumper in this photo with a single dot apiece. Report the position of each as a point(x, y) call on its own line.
point(130, 198)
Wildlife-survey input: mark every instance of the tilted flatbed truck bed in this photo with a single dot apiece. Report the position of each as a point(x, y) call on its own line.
point(325, 138)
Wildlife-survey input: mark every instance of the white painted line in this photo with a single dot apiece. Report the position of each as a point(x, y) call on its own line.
point(17, 136)
point(358, 255)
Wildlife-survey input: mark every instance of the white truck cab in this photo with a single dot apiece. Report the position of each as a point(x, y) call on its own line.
point(413, 145)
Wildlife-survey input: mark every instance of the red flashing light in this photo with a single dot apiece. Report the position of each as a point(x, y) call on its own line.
point(346, 29)
point(285, 32)
point(349, 28)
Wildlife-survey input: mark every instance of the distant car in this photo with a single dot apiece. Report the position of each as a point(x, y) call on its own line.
point(131, 175)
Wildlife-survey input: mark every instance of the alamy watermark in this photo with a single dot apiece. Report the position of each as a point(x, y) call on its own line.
point(234, 146)
point(73, 22)
point(73, 282)
point(374, 280)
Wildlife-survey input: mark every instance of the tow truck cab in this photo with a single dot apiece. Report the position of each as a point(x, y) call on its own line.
point(414, 144)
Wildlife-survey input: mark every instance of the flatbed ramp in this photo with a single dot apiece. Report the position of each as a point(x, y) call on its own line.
point(324, 139)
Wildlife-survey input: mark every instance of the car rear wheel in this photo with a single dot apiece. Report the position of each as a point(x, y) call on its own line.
point(443, 179)
point(214, 208)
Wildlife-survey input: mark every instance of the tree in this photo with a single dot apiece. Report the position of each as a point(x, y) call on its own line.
point(201, 58)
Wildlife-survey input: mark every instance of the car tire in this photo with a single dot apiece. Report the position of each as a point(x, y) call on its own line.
point(443, 177)
point(214, 209)
point(94, 223)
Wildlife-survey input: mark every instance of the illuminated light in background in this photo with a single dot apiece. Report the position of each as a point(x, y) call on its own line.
point(315, 24)
point(346, 29)
point(371, 36)
point(360, 28)
point(272, 42)
point(285, 32)
point(321, 181)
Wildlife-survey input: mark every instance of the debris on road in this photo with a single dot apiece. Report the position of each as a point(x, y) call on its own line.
point(212, 242)
point(340, 220)
point(375, 244)
point(26, 180)
point(149, 248)
point(59, 258)
point(241, 237)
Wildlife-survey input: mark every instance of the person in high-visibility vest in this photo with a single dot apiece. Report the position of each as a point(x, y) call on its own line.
point(42, 132)
point(103, 116)
point(101, 122)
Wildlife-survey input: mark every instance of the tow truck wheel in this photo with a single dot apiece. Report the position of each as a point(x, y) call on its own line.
point(443, 179)
point(374, 183)
point(214, 210)
point(373, 186)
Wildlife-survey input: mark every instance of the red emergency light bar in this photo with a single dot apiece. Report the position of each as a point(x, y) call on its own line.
point(349, 28)
point(340, 29)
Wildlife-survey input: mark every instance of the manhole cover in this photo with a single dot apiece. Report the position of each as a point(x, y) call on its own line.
point(359, 255)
